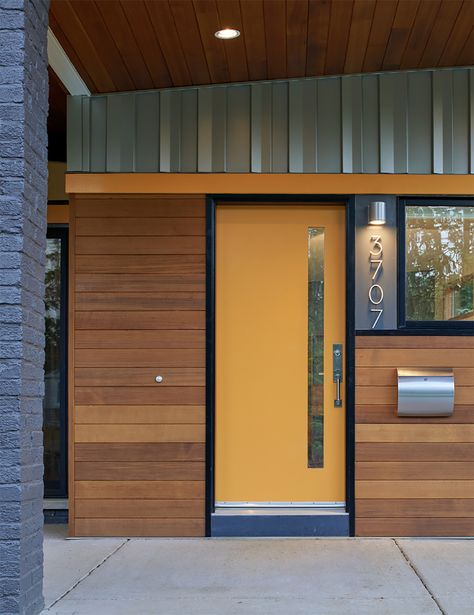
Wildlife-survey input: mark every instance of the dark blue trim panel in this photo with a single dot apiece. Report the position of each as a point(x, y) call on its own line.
point(279, 525)
point(55, 517)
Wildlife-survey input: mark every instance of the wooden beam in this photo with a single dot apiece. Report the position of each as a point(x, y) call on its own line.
point(267, 183)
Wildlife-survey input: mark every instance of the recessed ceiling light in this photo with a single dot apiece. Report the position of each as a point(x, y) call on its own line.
point(227, 33)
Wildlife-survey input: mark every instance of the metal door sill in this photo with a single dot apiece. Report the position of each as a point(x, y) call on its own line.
point(301, 511)
point(55, 504)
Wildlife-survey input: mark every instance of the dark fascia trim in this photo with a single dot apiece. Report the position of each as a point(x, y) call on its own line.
point(422, 327)
point(350, 363)
point(58, 202)
point(210, 357)
point(61, 232)
point(275, 199)
point(412, 332)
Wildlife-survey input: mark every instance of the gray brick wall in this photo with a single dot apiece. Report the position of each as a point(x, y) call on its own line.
point(23, 196)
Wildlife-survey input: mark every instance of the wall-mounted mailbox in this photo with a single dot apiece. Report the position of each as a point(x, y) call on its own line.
point(425, 392)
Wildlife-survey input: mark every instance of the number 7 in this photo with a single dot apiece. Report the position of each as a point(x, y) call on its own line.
point(379, 264)
point(380, 312)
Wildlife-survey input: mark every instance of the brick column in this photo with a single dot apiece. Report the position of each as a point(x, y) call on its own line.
point(23, 197)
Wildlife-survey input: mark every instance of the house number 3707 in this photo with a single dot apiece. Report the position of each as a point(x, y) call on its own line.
point(376, 290)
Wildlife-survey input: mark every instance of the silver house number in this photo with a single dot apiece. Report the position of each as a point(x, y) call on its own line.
point(376, 290)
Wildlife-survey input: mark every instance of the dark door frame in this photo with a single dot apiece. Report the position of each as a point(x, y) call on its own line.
point(349, 376)
point(61, 490)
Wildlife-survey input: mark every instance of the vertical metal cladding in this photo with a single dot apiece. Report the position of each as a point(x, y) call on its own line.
point(401, 122)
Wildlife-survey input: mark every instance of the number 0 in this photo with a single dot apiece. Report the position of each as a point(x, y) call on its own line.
point(371, 294)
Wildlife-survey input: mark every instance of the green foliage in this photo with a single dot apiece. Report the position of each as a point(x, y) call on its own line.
point(52, 298)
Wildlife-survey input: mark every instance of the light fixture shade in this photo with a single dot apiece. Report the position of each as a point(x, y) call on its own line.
point(377, 213)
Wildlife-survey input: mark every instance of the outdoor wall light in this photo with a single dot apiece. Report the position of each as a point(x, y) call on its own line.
point(377, 213)
point(227, 33)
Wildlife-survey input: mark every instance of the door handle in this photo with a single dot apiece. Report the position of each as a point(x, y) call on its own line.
point(337, 372)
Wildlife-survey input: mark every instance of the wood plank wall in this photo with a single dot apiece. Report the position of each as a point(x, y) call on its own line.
point(137, 309)
point(414, 476)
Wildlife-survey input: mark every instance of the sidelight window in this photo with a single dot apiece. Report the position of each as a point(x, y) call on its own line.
point(54, 405)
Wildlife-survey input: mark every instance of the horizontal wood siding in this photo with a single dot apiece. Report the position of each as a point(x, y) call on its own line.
point(138, 297)
point(414, 476)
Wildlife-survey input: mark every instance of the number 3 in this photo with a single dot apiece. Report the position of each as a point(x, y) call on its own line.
point(377, 244)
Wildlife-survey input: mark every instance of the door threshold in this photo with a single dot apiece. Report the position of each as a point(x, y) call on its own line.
point(55, 504)
point(282, 522)
point(280, 511)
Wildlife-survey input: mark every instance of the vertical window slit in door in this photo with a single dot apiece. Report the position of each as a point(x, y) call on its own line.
point(315, 347)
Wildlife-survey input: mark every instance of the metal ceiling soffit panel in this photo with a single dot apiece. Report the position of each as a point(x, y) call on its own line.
point(417, 122)
point(64, 68)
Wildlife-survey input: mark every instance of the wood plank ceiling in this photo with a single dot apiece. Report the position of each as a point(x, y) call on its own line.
point(142, 44)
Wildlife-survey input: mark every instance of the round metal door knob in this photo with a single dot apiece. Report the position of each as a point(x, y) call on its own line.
point(159, 379)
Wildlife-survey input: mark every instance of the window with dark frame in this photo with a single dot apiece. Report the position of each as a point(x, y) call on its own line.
point(55, 370)
point(437, 263)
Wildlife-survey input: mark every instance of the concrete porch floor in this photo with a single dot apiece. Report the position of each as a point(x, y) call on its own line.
point(109, 576)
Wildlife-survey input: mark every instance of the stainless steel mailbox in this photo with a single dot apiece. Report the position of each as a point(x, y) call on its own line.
point(425, 392)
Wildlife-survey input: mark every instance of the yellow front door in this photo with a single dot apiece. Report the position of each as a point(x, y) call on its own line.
point(280, 307)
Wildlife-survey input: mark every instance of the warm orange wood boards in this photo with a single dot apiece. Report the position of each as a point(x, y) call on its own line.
point(138, 312)
point(414, 477)
point(267, 183)
point(138, 44)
